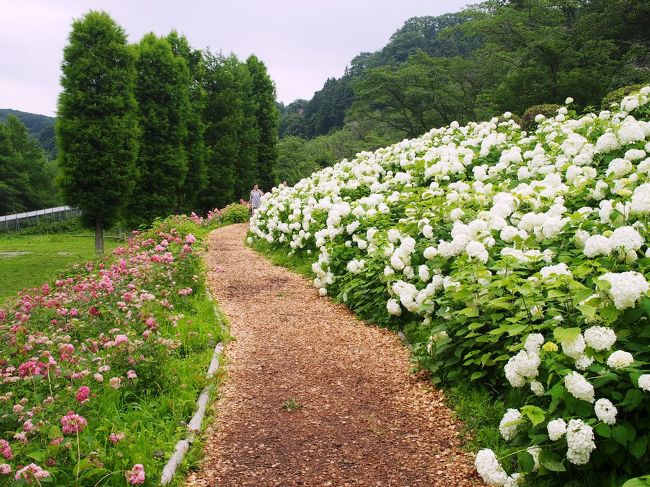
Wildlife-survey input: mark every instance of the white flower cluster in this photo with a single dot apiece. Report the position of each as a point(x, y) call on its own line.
point(488, 467)
point(626, 288)
point(605, 411)
point(579, 387)
point(510, 424)
point(580, 440)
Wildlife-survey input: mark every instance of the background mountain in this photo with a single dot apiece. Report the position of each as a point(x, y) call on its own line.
point(40, 127)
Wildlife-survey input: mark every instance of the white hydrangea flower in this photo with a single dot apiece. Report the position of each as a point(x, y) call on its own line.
point(430, 253)
point(393, 307)
point(579, 387)
point(626, 288)
point(580, 440)
point(625, 239)
point(600, 338)
point(488, 467)
point(605, 411)
point(509, 424)
point(533, 342)
point(423, 273)
point(644, 382)
point(574, 348)
point(584, 361)
point(537, 388)
point(620, 359)
point(522, 366)
point(550, 271)
point(556, 429)
point(476, 250)
point(597, 245)
point(641, 199)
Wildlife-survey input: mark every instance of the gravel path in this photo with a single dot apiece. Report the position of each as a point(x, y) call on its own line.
point(360, 417)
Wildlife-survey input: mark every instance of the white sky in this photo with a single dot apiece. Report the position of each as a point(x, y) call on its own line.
point(302, 42)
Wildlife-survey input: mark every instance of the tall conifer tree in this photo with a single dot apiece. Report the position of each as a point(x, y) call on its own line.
point(266, 114)
point(162, 92)
point(97, 120)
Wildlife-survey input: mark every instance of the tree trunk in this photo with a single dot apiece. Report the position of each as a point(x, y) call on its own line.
point(99, 236)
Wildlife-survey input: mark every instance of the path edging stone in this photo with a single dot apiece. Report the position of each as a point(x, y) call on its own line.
point(194, 426)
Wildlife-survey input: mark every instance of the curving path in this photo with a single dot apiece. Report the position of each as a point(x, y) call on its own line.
point(314, 397)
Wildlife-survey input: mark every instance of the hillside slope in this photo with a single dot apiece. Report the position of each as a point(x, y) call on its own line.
point(41, 127)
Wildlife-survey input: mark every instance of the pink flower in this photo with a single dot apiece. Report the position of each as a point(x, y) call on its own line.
point(116, 438)
point(135, 476)
point(5, 450)
point(131, 374)
point(185, 292)
point(93, 311)
point(31, 472)
point(5, 469)
point(98, 377)
point(83, 394)
point(73, 423)
point(190, 239)
point(151, 323)
point(115, 382)
point(119, 339)
point(57, 441)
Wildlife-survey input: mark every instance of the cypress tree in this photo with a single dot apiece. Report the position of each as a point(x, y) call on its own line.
point(197, 177)
point(97, 120)
point(246, 166)
point(223, 116)
point(266, 114)
point(162, 92)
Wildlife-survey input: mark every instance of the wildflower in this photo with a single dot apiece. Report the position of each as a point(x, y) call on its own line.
point(115, 382)
point(135, 476)
point(31, 472)
point(73, 423)
point(5, 450)
point(5, 469)
point(83, 394)
point(131, 374)
point(116, 437)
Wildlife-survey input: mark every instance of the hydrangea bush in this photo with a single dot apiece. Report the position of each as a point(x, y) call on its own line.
point(95, 367)
point(513, 258)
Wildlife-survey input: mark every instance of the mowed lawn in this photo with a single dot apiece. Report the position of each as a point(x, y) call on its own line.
point(31, 260)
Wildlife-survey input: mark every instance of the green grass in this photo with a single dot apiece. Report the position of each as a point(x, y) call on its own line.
point(46, 257)
point(478, 408)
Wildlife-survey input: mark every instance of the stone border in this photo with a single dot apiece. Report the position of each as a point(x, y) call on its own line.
point(194, 426)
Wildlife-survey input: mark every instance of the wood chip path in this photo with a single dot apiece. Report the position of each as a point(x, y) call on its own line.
point(362, 420)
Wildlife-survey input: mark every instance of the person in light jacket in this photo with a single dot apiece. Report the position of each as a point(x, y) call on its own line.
point(254, 199)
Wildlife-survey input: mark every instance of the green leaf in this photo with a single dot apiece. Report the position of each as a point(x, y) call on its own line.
point(639, 446)
point(621, 434)
point(638, 482)
point(478, 375)
point(603, 430)
point(526, 461)
point(551, 461)
point(37, 455)
point(566, 334)
point(534, 414)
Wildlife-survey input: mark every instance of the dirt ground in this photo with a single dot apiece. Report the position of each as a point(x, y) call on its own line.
point(313, 396)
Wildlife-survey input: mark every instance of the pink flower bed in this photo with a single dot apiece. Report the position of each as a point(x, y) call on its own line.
point(79, 353)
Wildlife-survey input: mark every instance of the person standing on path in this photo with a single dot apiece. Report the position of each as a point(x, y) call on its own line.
point(254, 199)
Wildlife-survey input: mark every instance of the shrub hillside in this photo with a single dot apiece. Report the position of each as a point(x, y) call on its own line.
point(100, 370)
point(511, 258)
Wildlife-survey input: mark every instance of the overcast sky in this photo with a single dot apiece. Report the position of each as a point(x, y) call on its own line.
point(302, 42)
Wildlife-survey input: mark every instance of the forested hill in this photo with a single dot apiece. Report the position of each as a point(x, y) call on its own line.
point(326, 110)
point(41, 127)
point(521, 56)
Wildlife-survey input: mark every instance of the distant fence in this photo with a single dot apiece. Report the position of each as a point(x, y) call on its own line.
point(12, 223)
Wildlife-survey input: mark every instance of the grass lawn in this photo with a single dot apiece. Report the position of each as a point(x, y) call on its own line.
point(31, 260)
